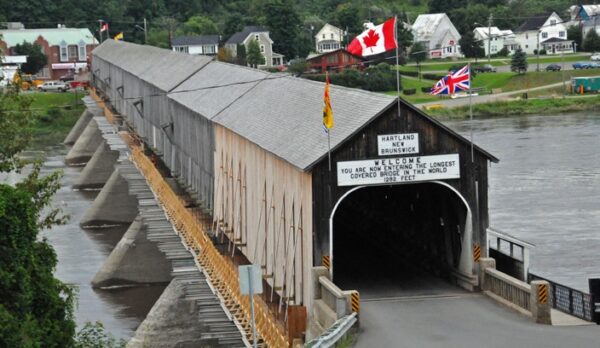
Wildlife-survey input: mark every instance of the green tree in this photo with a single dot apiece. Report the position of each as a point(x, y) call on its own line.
point(93, 335)
point(591, 43)
point(346, 17)
point(298, 66)
point(254, 56)
point(284, 28)
point(574, 33)
point(518, 62)
point(200, 25)
point(405, 36)
point(470, 47)
point(241, 56)
point(36, 59)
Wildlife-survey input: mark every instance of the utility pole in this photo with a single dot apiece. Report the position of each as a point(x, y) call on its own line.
point(490, 37)
point(145, 31)
point(538, 49)
point(562, 69)
point(100, 29)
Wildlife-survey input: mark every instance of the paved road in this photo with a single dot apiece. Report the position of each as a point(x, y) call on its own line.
point(461, 320)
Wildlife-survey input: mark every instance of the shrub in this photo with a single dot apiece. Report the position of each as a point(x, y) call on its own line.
point(409, 73)
point(410, 91)
point(434, 77)
point(425, 89)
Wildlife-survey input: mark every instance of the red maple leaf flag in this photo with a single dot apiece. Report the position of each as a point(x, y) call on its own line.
point(375, 40)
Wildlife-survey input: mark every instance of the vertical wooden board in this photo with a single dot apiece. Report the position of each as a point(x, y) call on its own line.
point(297, 316)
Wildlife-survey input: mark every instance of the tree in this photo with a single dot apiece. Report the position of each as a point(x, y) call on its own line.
point(405, 35)
point(346, 17)
point(241, 56)
point(574, 33)
point(298, 66)
point(591, 43)
point(284, 28)
point(254, 56)
point(200, 25)
point(470, 47)
point(36, 59)
point(224, 55)
point(518, 62)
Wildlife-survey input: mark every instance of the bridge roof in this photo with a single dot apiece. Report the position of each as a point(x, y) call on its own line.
point(278, 112)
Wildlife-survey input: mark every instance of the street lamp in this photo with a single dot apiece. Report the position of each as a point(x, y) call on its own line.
point(144, 29)
point(100, 21)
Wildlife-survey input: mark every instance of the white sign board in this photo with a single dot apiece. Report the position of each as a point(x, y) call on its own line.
point(398, 144)
point(400, 169)
point(250, 280)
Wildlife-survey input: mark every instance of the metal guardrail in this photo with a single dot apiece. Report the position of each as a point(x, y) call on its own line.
point(221, 272)
point(568, 300)
point(330, 337)
point(509, 288)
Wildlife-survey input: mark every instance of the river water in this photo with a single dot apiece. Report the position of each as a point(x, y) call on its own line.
point(545, 190)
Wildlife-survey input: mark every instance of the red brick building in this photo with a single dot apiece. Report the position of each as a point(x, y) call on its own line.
point(66, 48)
point(335, 61)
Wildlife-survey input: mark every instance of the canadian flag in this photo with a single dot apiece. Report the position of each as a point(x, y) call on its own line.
point(375, 40)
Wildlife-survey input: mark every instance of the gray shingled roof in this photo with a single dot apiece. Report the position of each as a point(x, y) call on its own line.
point(240, 36)
point(195, 40)
point(533, 23)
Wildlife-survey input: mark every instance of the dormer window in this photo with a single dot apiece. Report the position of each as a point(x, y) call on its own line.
point(64, 54)
point(82, 51)
point(553, 22)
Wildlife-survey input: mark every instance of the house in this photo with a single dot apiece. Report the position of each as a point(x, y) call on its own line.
point(67, 49)
point(259, 34)
point(499, 39)
point(337, 61)
point(207, 45)
point(439, 36)
point(329, 39)
point(537, 30)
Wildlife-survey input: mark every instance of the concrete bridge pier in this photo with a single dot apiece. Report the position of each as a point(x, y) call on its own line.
point(99, 168)
point(85, 146)
point(79, 127)
point(113, 205)
point(135, 260)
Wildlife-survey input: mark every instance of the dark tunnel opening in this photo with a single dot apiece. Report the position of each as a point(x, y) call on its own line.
point(401, 239)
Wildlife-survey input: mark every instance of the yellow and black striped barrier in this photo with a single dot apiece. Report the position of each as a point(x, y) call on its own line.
point(355, 301)
point(543, 293)
point(326, 262)
point(476, 252)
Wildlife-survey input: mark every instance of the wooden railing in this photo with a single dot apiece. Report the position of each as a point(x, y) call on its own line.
point(221, 272)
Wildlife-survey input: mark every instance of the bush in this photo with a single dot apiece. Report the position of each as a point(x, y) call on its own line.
point(503, 52)
point(409, 73)
point(377, 78)
point(434, 77)
point(410, 91)
point(425, 89)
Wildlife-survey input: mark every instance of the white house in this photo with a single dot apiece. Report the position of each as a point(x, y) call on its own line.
point(439, 36)
point(329, 38)
point(499, 39)
point(536, 32)
point(200, 44)
point(259, 34)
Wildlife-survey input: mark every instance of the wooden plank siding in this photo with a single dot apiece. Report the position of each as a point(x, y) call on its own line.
point(433, 140)
point(245, 175)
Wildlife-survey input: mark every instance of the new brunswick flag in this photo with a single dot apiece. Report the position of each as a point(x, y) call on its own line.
point(327, 111)
point(119, 36)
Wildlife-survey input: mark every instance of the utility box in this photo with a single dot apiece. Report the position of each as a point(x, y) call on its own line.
point(581, 85)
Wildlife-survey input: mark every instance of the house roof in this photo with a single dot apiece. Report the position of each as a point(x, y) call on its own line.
point(534, 23)
point(555, 39)
point(251, 103)
point(330, 28)
point(240, 36)
point(54, 36)
point(426, 24)
point(314, 56)
point(196, 40)
point(591, 10)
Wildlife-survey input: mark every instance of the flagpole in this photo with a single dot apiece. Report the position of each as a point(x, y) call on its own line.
point(329, 148)
point(471, 111)
point(397, 62)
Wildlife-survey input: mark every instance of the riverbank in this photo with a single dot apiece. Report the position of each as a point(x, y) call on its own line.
point(54, 116)
point(522, 107)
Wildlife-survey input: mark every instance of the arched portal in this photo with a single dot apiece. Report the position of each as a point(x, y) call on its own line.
point(395, 234)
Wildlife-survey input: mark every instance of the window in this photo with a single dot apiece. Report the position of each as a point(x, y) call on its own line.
point(561, 33)
point(256, 37)
point(73, 52)
point(332, 36)
point(526, 46)
point(262, 48)
point(323, 36)
point(526, 36)
point(182, 49)
point(449, 49)
point(544, 35)
point(208, 49)
point(553, 22)
point(64, 55)
point(82, 51)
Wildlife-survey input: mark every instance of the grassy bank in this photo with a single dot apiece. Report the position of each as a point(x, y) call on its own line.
point(54, 116)
point(524, 107)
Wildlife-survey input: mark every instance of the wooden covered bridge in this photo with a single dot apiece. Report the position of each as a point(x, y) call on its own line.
point(401, 194)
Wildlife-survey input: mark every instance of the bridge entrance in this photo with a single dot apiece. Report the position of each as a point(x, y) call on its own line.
point(400, 240)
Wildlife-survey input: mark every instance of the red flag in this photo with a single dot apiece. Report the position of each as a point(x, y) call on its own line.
point(104, 27)
point(375, 40)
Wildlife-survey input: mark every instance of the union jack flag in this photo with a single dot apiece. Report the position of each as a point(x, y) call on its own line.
point(453, 82)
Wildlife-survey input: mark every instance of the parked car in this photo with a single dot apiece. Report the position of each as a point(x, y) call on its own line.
point(553, 67)
point(595, 56)
point(69, 76)
point(53, 86)
point(581, 65)
point(484, 68)
point(593, 65)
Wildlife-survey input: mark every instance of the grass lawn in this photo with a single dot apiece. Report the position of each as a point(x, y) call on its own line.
point(419, 96)
point(54, 116)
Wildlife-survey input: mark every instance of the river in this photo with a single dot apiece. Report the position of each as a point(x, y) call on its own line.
point(545, 190)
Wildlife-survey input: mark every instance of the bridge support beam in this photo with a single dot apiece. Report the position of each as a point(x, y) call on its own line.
point(79, 127)
point(85, 146)
point(135, 260)
point(540, 302)
point(98, 170)
point(113, 206)
point(172, 322)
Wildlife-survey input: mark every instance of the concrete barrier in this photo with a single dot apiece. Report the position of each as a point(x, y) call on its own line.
point(99, 168)
point(134, 260)
point(112, 206)
point(79, 127)
point(85, 146)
